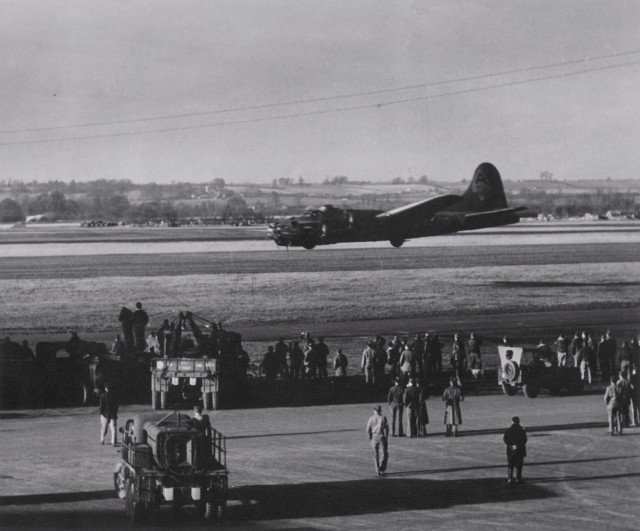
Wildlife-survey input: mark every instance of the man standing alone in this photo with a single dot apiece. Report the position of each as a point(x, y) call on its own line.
point(378, 431)
point(108, 414)
point(516, 440)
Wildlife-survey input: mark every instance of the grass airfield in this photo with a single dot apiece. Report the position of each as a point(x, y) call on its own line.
point(312, 468)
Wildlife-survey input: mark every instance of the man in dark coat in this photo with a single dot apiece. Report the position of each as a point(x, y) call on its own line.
point(516, 440)
point(108, 414)
point(200, 421)
point(452, 397)
point(412, 404)
point(140, 320)
point(322, 354)
point(396, 403)
point(126, 321)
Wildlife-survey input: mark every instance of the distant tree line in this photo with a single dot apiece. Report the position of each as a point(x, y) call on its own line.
point(121, 200)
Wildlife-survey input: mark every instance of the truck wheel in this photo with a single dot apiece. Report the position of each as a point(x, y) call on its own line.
point(155, 399)
point(575, 387)
point(554, 388)
point(84, 394)
point(222, 509)
point(511, 370)
point(163, 399)
point(531, 389)
point(207, 401)
point(135, 511)
point(508, 389)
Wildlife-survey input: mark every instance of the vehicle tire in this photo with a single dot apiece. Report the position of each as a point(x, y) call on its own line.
point(396, 242)
point(207, 401)
point(135, 511)
point(554, 388)
point(308, 245)
point(531, 389)
point(511, 370)
point(508, 389)
point(575, 387)
point(163, 399)
point(155, 399)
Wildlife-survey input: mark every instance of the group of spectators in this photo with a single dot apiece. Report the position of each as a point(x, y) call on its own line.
point(304, 358)
point(419, 358)
point(592, 356)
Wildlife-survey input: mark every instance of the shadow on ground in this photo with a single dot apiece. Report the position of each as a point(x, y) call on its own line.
point(277, 502)
point(371, 496)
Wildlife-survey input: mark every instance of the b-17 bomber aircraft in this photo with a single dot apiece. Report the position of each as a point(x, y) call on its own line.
point(482, 205)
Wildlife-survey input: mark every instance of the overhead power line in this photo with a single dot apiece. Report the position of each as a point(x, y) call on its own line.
point(324, 111)
point(325, 98)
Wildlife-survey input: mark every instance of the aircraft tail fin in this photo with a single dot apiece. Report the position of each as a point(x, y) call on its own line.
point(485, 193)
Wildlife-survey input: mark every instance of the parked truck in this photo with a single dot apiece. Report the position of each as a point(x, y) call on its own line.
point(196, 365)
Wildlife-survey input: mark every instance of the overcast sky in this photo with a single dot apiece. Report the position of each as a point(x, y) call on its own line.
point(198, 89)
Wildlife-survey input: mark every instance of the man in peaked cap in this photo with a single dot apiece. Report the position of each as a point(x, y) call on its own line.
point(378, 431)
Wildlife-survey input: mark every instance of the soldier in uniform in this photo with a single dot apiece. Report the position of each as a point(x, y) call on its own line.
point(140, 320)
point(295, 360)
point(412, 404)
point(369, 363)
point(108, 414)
point(378, 431)
point(200, 421)
point(281, 350)
point(126, 322)
point(393, 357)
point(322, 353)
point(452, 397)
point(612, 401)
point(340, 363)
point(396, 403)
point(516, 440)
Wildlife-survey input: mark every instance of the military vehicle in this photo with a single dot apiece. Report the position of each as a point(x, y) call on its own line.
point(65, 369)
point(170, 462)
point(196, 366)
point(19, 376)
point(530, 371)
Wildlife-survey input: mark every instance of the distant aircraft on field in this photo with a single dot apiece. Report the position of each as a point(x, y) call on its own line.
point(482, 205)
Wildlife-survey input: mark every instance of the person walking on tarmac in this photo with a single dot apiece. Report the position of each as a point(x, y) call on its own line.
point(140, 320)
point(516, 440)
point(378, 431)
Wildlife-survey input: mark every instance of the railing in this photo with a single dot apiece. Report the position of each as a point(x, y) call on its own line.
point(219, 447)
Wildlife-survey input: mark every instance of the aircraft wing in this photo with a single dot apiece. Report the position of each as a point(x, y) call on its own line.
point(421, 209)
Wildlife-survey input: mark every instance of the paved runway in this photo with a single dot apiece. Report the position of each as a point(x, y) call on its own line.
point(312, 468)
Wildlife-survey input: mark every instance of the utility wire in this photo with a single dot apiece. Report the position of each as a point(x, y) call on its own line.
point(325, 98)
point(320, 112)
